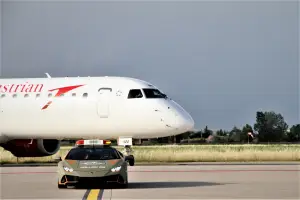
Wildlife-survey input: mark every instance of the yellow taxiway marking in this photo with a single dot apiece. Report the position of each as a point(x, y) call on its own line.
point(93, 194)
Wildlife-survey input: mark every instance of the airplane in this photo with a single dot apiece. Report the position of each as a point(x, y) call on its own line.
point(37, 113)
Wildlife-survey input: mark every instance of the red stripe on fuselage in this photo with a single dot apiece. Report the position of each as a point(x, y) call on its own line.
point(46, 106)
point(64, 90)
point(60, 91)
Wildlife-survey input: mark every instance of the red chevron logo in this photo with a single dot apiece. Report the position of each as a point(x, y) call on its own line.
point(60, 91)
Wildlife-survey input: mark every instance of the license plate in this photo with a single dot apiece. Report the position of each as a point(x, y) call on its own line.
point(92, 164)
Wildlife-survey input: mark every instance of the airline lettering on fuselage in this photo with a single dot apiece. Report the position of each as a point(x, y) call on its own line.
point(21, 88)
point(32, 88)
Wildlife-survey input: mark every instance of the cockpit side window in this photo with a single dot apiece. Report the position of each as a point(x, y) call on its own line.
point(153, 93)
point(135, 93)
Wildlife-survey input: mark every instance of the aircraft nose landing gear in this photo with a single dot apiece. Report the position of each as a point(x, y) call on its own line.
point(130, 160)
point(127, 143)
point(128, 155)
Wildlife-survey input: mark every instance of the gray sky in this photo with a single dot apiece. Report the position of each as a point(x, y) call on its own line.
point(222, 61)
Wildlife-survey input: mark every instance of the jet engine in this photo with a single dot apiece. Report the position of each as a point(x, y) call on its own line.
point(32, 148)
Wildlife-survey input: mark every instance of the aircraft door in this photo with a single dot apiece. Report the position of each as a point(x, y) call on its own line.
point(103, 102)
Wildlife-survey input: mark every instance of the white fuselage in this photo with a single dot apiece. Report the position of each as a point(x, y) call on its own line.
point(87, 107)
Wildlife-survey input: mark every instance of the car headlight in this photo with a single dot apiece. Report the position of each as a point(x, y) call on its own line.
point(68, 169)
point(116, 169)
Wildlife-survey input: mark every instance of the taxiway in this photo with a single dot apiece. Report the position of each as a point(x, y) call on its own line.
point(190, 181)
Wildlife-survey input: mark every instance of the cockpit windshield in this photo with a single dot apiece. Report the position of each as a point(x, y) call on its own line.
point(153, 93)
point(135, 93)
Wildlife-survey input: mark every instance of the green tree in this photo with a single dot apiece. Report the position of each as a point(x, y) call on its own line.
point(163, 140)
point(207, 132)
point(235, 135)
point(221, 133)
point(244, 136)
point(270, 126)
point(197, 134)
point(294, 134)
point(182, 136)
point(221, 137)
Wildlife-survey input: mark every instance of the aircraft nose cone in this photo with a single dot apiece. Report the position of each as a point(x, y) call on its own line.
point(185, 122)
point(190, 123)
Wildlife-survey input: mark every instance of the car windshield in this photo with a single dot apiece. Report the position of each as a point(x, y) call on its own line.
point(153, 93)
point(92, 154)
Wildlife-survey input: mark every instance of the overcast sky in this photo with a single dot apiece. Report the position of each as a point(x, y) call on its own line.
point(222, 61)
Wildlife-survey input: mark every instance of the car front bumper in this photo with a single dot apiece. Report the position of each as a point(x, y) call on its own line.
point(91, 178)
